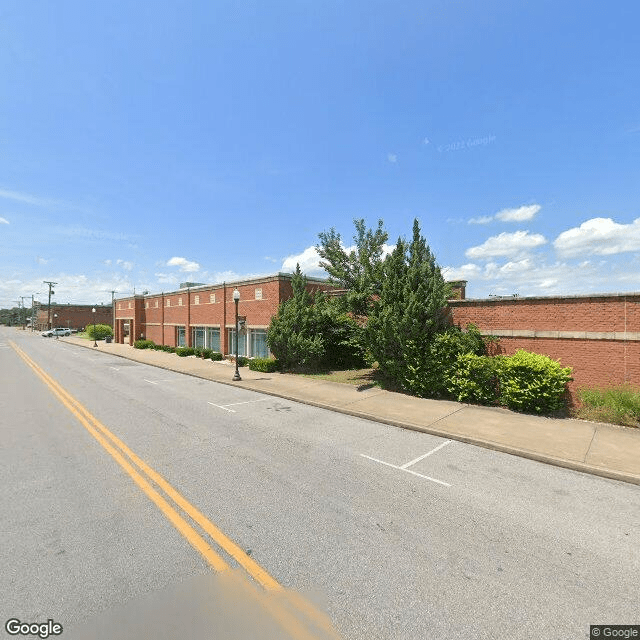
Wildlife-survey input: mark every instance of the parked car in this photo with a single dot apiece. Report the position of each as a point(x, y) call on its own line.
point(58, 331)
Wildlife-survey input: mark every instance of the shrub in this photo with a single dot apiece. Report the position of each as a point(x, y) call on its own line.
point(266, 365)
point(206, 353)
point(98, 331)
point(242, 361)
point(168, 349)
point(431, 363)
point(216, 356)
point(185, 351)
point(144, 344)
point(617, 405)
point(532, 382)
point(197, 352)
point(475, 378)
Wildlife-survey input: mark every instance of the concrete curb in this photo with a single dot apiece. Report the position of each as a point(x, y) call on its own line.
point(573, 465)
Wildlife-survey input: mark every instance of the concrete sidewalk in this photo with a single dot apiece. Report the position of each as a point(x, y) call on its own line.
point(601, 449)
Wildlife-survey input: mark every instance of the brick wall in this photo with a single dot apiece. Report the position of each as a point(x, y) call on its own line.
point(74, 316)
point(259, 301)
point(598, 336)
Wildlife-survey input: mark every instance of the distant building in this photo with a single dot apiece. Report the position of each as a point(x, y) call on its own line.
point(74, 316)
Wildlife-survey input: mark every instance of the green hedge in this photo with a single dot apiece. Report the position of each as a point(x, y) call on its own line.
point(185, 351)
point(144, 344)
point(266, 365)
point(475, 379)
point(215, 355)
point(98, 331)
point(528, 382)
point(533, 383)
point(206, 353)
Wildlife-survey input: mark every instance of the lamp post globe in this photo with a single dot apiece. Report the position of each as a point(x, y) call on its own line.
point(236, 299)
point(95, 344)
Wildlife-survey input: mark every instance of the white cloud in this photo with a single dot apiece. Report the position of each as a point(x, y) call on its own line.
point(518, 215)
point(186, 266)
point(521, 214)
point(465, 272)
point(480, 220)
point(309, 262)
point(270, 259)
point(4, 221)
point(600, 236)
point(166, 278)
point(127, 266)
point(25, 197)
point(506, 244)
point(392, 157)
point(91, 234)
point(41, 260)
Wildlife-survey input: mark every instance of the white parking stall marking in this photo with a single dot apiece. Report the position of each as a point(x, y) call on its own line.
point(415, 473)
point(221, 407)
point(405, 467)
point(409, 464)
point(233, 404)
point(152, 381)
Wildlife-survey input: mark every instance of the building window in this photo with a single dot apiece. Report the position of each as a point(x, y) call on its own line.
point(213, 339)
point(129, 305)
point(212, 298)
point(179, 302)
point(242, 343)
point(119, 306)
point(168, 302)
point(180, 337)
point(156, 303)
point(258, 294)
point(197, 337)
point(258, 343)
point(197, 300)
point(146, 305)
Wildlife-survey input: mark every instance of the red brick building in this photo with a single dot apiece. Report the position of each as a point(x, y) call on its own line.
point(204, 315)
point(74, 316)
point(597, 335)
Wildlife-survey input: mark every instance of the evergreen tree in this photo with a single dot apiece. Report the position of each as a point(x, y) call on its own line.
point(310, 332)
point(409, 312)
point(292, 336)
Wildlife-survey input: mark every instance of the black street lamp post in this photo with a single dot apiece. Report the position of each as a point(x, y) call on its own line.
point(236, 299)
point(95, 344)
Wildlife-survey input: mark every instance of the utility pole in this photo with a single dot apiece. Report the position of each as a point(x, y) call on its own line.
point(49, 307)
point(24, 317)
point(19, 311)
point(113, 308)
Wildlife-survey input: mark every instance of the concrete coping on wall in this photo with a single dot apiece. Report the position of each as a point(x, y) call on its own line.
point(516, 299)
point(564, 335)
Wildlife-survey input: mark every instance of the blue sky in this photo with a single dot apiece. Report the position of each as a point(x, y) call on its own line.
point(143, 144)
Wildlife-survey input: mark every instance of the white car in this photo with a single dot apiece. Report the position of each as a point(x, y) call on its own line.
point(58, 331)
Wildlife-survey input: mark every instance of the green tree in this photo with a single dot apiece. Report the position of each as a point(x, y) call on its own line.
point(311, 332)
point(291, 335)
point(360, 270)
point(409, 312)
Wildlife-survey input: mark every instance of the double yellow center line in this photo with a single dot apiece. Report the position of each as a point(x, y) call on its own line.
point(141, 473)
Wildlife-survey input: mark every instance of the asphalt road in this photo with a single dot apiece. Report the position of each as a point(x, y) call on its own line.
point(394, 534)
